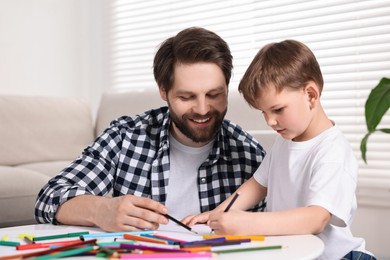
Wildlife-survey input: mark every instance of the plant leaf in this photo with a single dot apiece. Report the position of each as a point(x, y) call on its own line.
point(363, 146)
point(385, 130)
point(377, 104)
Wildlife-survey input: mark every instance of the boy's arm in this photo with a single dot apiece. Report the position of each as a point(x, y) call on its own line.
point(304, 220)
point(251, 194)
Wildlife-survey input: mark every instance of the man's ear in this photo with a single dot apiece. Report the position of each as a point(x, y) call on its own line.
point(313, 94)
point(163, 93)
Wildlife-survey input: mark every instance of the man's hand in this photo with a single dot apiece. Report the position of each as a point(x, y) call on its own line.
point(124, 213)
point(129, 213)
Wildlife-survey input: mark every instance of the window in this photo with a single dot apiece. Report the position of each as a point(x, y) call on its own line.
point(351, 40)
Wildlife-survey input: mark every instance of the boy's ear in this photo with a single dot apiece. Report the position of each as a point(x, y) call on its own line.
point(313, 94)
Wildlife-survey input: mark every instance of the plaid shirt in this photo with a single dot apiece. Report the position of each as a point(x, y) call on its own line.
point(132, 157)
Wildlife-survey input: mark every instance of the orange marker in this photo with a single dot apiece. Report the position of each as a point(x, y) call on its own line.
point(144, 239)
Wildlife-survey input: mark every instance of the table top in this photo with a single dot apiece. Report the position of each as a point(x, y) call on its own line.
point(293, 247)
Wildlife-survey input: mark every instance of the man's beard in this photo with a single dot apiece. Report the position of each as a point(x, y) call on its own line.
point(198, 134)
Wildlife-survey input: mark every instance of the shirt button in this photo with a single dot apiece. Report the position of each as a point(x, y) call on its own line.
point(203, 180)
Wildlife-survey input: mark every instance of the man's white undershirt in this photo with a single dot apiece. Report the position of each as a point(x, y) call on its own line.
point(183, 199)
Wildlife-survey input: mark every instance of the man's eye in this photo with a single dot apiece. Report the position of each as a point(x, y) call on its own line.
point(184, 98)
point(213, 96)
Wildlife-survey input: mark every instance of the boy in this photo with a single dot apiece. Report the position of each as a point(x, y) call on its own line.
point(310, 174)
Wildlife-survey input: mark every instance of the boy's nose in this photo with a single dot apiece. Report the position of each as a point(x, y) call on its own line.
point(271, 121)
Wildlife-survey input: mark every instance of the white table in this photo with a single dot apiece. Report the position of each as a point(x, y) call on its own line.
point(294, 247)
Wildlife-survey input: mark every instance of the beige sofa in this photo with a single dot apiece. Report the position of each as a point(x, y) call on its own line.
point(39, 136)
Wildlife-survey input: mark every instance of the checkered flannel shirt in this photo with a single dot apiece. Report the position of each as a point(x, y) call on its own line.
point(132, 157)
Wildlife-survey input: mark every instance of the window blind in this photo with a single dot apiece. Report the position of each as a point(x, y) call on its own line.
point(351, 40)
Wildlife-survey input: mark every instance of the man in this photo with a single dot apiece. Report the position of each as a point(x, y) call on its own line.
point(181, 159)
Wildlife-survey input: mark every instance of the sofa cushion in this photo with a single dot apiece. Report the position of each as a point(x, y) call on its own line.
point(19, 190)
point(129, 102)
point(49, 169)
point(37, 128)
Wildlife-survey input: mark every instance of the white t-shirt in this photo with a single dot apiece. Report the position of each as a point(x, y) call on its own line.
point(182, 192)
point(321, 171)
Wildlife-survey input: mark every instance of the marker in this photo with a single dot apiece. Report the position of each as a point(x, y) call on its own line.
point(75, 234)
point(152, 248)
point(246, 249)
point(8, 243)
point(167, 255)
point(235, 237)
point(115, 234)
point(144, 239)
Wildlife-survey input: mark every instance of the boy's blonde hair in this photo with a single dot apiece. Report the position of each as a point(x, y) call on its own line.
point(285, 64)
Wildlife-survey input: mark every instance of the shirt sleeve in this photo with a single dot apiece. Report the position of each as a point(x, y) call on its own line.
point(333, 186)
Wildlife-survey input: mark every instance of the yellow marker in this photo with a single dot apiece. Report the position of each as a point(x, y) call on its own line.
point(5, 238)
point(29, 236)
point(231, 237)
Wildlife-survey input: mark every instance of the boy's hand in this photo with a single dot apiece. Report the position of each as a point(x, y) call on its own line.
point(234, 222)
point(197, 219)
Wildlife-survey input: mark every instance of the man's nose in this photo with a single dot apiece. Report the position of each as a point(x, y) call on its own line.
point(201, 106)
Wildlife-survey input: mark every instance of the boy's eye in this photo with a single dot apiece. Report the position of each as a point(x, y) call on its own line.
point(279, 110)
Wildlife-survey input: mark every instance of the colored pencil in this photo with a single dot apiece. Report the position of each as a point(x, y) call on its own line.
point(225, 251)
point(180, 223)
point(152, 248)
point(116, 234)
point(169, 241)
point(235, 237)
point(46, 245)
point(70, 252)
point(213, 244)
point(167, 255)
point(169, 238)
point(49, 251)
point(74, 234)
point(216, 239)
point(144, 239)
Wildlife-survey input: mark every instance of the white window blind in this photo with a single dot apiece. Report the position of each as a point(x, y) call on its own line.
point(351, 40)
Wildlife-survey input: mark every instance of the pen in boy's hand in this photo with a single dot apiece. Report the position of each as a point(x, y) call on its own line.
point(231, 202)
point(229, 205)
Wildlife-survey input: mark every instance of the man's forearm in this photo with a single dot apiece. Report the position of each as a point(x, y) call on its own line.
point(80, 210)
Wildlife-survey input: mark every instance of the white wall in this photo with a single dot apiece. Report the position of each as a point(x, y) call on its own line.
point(373, 224)
point(52, 47)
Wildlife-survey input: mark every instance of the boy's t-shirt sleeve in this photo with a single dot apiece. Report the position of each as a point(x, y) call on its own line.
point(333, 187)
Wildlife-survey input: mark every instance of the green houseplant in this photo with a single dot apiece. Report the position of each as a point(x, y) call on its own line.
point(377, 104)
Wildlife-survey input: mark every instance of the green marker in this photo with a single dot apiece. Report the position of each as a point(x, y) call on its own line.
point(9, 243)
point(75, 234)
point(71, 252)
